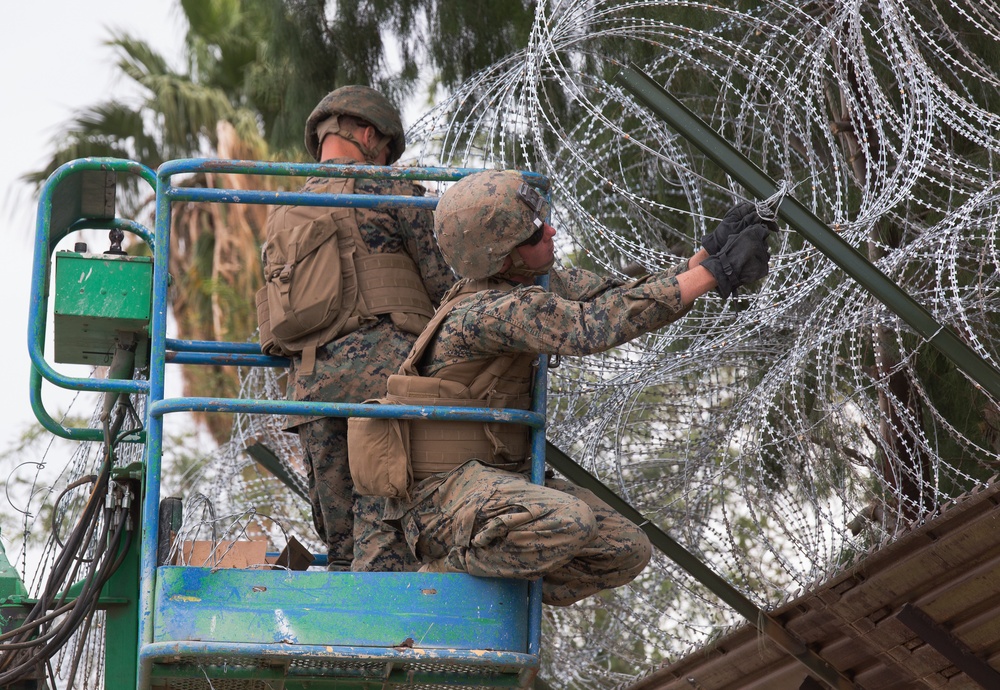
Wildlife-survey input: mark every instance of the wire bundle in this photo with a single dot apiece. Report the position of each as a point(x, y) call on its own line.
point(90, 554)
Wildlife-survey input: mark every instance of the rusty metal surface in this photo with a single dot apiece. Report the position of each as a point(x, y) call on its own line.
point(948, 567)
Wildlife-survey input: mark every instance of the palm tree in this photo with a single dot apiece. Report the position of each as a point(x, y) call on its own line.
point(254, 71)
point(201, 112)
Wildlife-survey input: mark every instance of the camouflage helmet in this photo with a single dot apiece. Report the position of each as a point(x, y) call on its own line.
point(362, 102)
point(483, 217)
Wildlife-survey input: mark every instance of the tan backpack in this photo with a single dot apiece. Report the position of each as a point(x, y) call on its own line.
point(320, 281)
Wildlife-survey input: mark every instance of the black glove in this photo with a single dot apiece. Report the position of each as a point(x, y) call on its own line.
point(737, 219)
point(743, 260)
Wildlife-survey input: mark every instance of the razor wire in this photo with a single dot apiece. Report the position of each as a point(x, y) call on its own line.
point(782, 435)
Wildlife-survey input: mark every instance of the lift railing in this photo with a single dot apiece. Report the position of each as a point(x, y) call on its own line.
point(80, 195)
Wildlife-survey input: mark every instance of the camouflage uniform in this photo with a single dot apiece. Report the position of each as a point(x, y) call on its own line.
point(490, 522)
point(477, 517)
point(352, 369)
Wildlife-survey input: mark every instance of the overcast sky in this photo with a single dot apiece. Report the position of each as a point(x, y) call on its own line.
point(54, 62)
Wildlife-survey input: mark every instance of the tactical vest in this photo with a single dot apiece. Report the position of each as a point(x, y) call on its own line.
point(499, 382)
point(321, 282)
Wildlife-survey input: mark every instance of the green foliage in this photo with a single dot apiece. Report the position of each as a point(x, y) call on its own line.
point(465, 37)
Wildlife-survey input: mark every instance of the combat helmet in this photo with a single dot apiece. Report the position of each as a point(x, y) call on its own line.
point(362, 102)
point(482, 218)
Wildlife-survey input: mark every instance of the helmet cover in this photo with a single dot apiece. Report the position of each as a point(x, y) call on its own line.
point(361, 102)
point(483, 217)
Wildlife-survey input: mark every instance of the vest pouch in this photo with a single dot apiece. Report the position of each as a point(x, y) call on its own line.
point(391, 284)
point(378, 451)
point(304, 279)
point(267, 344)
point(437, 446)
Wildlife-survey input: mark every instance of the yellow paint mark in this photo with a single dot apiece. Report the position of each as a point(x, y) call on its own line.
point(181, 597)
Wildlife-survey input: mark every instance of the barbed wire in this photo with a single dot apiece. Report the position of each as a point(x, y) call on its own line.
point(779, 437)
point(772, 437)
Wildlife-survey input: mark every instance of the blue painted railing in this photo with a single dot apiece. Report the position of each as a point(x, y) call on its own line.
point(163, 350)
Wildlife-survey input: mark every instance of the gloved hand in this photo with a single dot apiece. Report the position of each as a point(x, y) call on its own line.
point(743, 259)
point(737, 219)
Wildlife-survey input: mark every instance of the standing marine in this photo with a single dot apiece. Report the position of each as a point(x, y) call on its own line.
point(349, 290)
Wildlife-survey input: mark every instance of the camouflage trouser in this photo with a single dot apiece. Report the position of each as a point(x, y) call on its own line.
point(493, 523)
point(349, 524)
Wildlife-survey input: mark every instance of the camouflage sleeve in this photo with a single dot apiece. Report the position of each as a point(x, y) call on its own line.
point(578, 284)
point(421, 245)
point(533, 320)
point(678, 269)
point(581, 285)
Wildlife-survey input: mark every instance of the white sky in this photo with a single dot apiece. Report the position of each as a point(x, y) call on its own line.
point(54, 63)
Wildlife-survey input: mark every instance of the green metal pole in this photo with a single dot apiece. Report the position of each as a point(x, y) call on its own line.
point(822, 669)
point(14, 609)
point(709, 142)
point(121, 633)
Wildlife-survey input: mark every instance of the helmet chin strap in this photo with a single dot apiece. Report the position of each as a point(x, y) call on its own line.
point(519, 269)
point(370, 153)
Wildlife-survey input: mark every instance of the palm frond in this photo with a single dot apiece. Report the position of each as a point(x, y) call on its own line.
point(136, 58)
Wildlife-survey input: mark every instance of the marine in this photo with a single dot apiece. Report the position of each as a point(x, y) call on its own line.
point(355, 125)
point(471, 507)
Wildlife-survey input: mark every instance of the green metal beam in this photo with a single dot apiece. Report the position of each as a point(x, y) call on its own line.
point(759, 618)
point(270, 461)
point(715, 147)
point(121, 632)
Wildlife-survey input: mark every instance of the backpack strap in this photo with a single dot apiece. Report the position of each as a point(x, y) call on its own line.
point(459, 292)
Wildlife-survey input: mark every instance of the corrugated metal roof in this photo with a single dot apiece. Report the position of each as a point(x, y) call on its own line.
point(948, 567)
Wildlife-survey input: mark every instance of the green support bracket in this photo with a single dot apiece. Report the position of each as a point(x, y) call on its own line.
point(266, 458)
point(715, 147)
point(121, 633)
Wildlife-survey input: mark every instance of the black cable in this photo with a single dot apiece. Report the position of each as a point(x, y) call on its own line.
point(24, 655)
point(81, 611)
point(86, 479)
point(119, 559)
point(53, 638)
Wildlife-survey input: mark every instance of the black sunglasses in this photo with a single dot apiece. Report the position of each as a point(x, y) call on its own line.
point(534, 201)
point(534, 238)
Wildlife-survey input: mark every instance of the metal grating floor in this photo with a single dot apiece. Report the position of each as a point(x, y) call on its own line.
point(210, 673)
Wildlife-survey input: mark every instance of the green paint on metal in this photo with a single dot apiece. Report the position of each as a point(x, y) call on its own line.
point(709, 142)
point(11, 584)
point(121, 631)
point(14, 604)
point(96, 297)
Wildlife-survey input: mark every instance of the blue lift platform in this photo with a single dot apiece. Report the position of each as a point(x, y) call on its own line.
point(186, 627)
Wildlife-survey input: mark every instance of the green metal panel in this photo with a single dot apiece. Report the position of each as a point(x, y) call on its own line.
point(10, 580)
point(14, 606)
point(122, 619)
point(82, 194)
point(428, 610)
point(97, 296)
